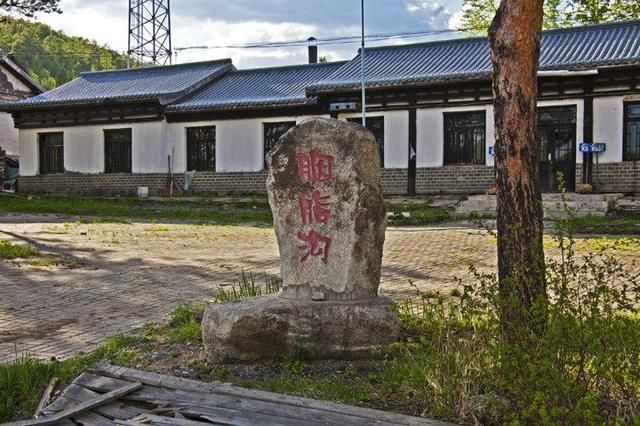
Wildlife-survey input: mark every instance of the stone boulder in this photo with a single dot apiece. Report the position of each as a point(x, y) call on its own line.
point(329, 215)
point(270, 327)
point(329, 218)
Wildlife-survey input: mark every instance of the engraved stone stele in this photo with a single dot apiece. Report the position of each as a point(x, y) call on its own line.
point(329, 218)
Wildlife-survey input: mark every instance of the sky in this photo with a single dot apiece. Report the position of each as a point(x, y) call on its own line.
point(232, 22)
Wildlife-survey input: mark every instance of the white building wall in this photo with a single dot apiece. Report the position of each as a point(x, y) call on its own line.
point(8, 134)
point(239, 143)
point(17, 84)
point(28, 147)
point(146, 147)
point(608, 127)
point(396, 136)
point(84, 148)
point(430, 134)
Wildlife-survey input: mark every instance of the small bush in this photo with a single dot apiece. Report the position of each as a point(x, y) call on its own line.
point(15, 251)
point(583, 369)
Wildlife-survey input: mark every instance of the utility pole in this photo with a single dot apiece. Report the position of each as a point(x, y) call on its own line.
point(362, 71)
point(149, 33)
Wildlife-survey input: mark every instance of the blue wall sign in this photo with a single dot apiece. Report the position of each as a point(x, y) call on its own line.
point(593, 148)
point(491, 151)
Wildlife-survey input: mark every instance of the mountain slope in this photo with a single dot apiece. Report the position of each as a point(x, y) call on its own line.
point(51, 56)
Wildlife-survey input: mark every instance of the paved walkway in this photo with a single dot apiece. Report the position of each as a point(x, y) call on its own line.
point(116, 277)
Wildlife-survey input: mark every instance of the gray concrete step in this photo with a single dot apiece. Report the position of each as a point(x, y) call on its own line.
point(580, 204)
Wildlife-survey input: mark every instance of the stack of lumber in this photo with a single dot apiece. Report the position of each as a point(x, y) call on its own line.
point(107, 395)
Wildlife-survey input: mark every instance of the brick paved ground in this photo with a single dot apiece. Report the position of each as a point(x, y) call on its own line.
point(116, 277)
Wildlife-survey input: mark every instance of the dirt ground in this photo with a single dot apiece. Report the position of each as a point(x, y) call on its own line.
point(93, 280)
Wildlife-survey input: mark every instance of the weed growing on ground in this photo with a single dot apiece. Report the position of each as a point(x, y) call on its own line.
point(46, 262)
point(419, 213)
point(584, 369)
point(184, 323)
point(23, 381)
point(16, 251)
point(247, 287)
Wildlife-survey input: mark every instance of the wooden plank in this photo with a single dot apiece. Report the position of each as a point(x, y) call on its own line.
point(59, 404)
point(92, 419)
point(204, 403)
point(159, 420)
point(81, 408)
point(46, 396)
point(114, 410)
point(197, 403)
point(155, 379)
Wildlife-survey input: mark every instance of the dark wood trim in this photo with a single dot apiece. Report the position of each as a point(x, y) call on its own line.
point(625, 123)
point(76, 116)
point(587, 131)
point(412, 151)
point(267, 112)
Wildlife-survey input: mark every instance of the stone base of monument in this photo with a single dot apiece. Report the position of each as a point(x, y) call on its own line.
point(264, 328)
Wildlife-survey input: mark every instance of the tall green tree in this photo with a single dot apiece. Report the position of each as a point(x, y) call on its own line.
point(477, 14)
point(30, 7)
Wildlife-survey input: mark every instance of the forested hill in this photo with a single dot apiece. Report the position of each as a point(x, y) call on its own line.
point(52, 57)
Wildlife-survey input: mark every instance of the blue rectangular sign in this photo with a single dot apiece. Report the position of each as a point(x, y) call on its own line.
point(593, 148)
point(491, 151)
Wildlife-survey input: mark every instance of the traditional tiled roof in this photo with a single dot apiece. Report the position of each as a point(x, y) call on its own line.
point(163, 84)
point(9, 61)
point(257, 88)
point(462, 59)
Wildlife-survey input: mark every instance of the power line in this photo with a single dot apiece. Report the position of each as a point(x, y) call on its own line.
point(342, 40)
point(321, 41)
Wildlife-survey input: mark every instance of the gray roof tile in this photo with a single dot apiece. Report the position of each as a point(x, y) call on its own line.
point(255, 88)
point(162, 83)
point(460, 59)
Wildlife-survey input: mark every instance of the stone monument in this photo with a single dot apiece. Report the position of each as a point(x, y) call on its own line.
point(329, 218)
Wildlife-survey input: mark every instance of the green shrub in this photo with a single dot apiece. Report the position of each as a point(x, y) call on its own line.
point(584, 368)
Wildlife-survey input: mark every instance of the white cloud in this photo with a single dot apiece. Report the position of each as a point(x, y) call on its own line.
point(434, 14)
point(455, 22)
point(99, 21)
point(209, 32)
point(224, 22)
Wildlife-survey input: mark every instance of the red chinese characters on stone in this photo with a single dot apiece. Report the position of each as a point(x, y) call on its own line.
point(314, 167)
point(314, 210)
point(314, 245)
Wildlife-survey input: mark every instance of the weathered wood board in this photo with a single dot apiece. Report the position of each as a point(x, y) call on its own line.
point(106, 395)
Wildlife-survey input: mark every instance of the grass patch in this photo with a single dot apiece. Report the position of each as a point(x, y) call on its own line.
point(16, 251)
point(22, 383)
point(418, 214)
point(184, 323)
point(121, 209)
point(337, 389)
point(615, 223)
point(44, 262)
point(247, 287)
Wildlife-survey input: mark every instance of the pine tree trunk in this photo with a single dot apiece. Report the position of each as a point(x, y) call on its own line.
point(514, 37)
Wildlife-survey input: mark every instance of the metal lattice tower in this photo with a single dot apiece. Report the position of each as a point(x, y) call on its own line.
point(149, 32)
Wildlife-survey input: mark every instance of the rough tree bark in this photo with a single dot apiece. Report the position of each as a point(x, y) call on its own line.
point(514, 37)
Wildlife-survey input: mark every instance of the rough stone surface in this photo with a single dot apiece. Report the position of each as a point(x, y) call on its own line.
point(329, 215)
point(329, 219)
point(275, 328)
